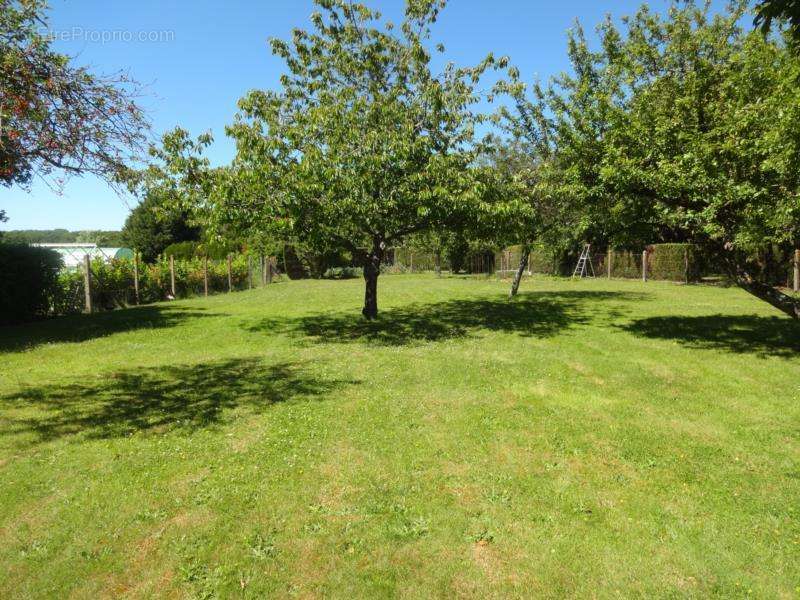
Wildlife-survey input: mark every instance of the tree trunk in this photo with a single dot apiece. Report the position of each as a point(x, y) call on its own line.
point(523, 262)
point(783, 302)
point(438, 263)
point(769, 294)
point(372, 268)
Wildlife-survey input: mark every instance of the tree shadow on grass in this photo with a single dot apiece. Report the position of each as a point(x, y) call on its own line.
point(535, 314)
point(79, 328)
point(175, 398)
point(744, 334)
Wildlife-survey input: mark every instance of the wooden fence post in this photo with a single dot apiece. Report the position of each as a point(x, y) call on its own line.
point(172, 275)
point(412, 262)
point(250, 272)
point(797, 270)
point(686, 265)
point(270, 262)
point(609, 260)
point(205, 275)
point(87, 282)
point(644, 265)
point(136, 275)
point(263, 262)
point(230, 277)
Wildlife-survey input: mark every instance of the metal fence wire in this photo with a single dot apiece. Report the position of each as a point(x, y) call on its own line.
point(123, 282)
point(665, 262)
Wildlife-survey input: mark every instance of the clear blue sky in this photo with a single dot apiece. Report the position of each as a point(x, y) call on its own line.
point(217, 51)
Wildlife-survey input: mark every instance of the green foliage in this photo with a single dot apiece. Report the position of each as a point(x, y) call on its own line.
point(674, 262)
point(545, 261)
point(113, 283)
point(153, 225)
point(344, 273)
point(301, 260)
point(349, 155)
point(769, 11)
point(57, 117)
point(414, 260)
point(28, 282)
point(626, 264)
point(183, 250)
point(681, 127)
point(35, 236)
point(456, 250)
point(108, 239)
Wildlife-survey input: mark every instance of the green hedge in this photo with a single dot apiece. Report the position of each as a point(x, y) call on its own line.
point(624, 265)
point(113, 283)
point(183, 250)
point(29, 280)
point(540, 261)
point(673, 262)
point(407, 260)
point(666, 262)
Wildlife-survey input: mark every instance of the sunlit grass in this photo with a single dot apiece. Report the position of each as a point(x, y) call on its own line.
point(593, 439)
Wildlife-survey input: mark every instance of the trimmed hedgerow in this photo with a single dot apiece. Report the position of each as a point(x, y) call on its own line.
point(626, 265)
point(673, 262)
point(666, 262)
point(28, 282)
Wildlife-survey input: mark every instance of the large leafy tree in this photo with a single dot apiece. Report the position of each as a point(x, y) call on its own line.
point(156, 223)
point(770, 11)
point(364, 144)
point(58, 119)
point(683, 126)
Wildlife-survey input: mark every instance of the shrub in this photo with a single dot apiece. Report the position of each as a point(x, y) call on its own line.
point(182, 250)
point(344, 273)
point(68, 297)
point(626, 264)
point(673, 262)
point(28, 281)
point(414, 260)
point(480, 259)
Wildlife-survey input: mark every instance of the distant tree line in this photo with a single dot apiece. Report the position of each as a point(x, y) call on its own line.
point(112, 239)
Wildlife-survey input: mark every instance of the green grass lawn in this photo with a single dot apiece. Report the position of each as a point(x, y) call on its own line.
point(591, 439)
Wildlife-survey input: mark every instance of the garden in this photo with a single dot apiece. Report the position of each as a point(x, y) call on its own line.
point(594, 438)
point(430, 330)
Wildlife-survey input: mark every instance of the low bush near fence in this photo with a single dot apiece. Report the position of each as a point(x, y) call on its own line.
point(408, 260)
point(540, 261)
point(673, 262)
point(29, 280)
point(344, 273)
point(33, 283)
point(113, 282)
point(624, 264)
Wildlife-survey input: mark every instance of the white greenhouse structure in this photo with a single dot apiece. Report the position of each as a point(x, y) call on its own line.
point(73, 254)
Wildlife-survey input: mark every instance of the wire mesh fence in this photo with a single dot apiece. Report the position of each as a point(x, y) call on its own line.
point(124, 282)
point(663, 262)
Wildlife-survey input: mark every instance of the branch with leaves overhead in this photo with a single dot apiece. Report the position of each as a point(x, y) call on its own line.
point(57, 119)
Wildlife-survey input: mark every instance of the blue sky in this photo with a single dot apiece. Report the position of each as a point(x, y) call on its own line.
point(214, 52)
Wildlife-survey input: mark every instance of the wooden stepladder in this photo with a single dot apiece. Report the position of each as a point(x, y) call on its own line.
point(585, 268)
